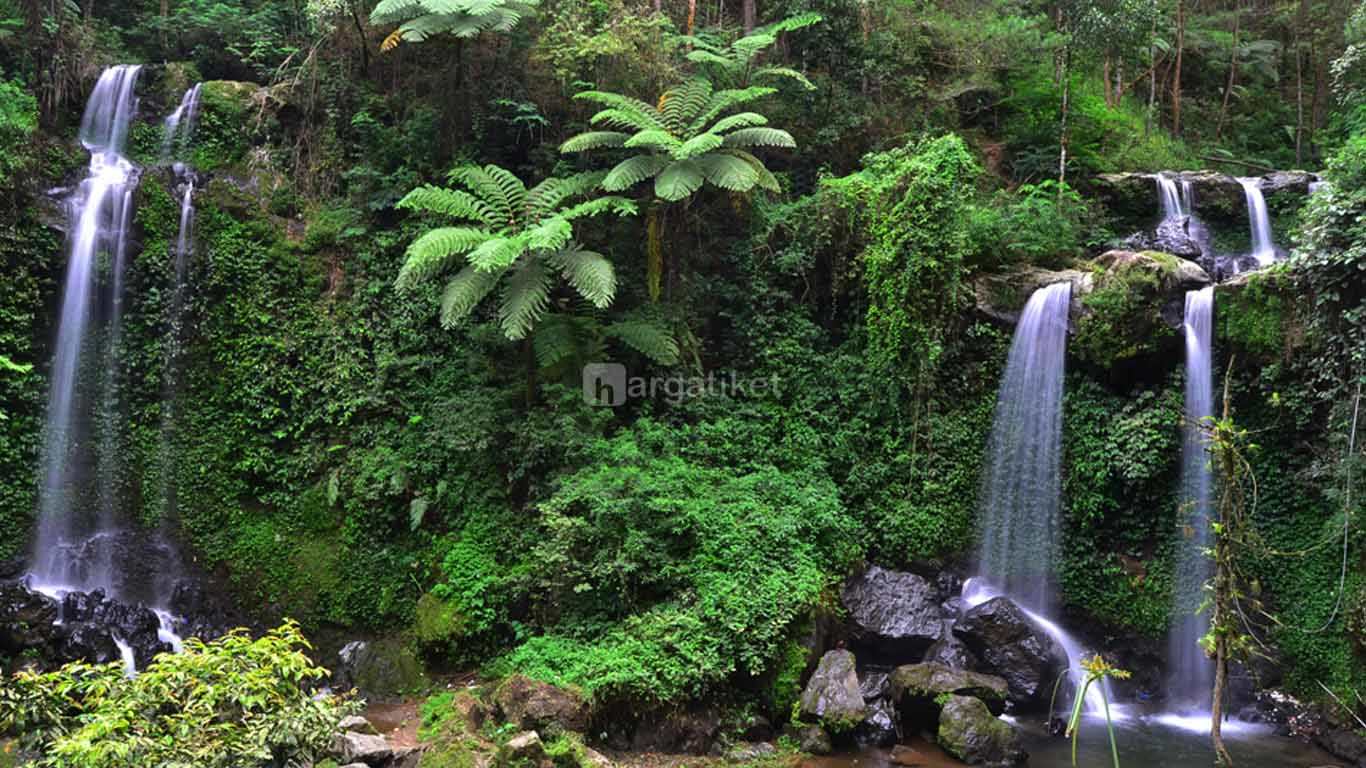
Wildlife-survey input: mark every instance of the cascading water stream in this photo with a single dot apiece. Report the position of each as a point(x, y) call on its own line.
point(1263, 248)
point(1021, 488)
point(1191, 673)
point(99, 215)
point(179, 125)
point(1174, 206)
point(1021, 484)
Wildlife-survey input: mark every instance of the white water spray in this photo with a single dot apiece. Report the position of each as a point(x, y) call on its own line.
point(1263, 248)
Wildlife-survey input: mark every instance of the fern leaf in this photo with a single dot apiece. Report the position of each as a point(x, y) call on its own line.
point(760, 137)
point(646, 338)
point(608, 204)
point(497, 254)
point(770, 73)
point(624, 118)
point(679, 180)
point(549, 234)
point(525, 298)
point(724, 100)
point(435, 250)
point(661, 140)
point(766, 180)
point(698, 145)
point(728, 172)
point(792, 23)
point(503, 192)
point(450, 202)
point(682, 103)
point(699, 56)
point(632, 171)
point(739, 120)
point(556, 340)
point(590, 273)
point(464, 292)
point(591, 140)
point(544, 198)
point(639, 115)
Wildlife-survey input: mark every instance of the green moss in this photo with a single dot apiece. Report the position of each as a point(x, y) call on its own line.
point(1252, 318)
point(437, 624)
point(1123, 320)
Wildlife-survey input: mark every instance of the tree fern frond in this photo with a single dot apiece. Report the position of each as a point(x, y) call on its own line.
point(653, 139)
point(591, 140)
point(464, 292)
point(451, 202)
point(680, 179)
point(625, 118)
point(549, 234)
point(544, 198)
point(724, 100)
point(395, 11)
point(646, 338)
point(791, 23)
point(683, 102)
point(749, 46)
point(642, 115)
point(739, 120)
point(728, 172)
point(608, 204)
point(503, 192)
point(632, 171)
point(526, 295)
point(555, 341)
point(701, 56)
point(497, 254)
point(435, 250)
point(760, 137)
point(766, 179)
point(590, 273)
point(700, 144)
point(769, 73)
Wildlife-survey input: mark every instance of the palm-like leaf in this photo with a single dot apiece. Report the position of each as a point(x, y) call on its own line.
point(646, 338)
point(521, 237)
point(419, 20)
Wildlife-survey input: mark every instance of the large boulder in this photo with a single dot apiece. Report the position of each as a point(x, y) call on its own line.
point(917, 690)
point(525, 748)
point(1134, 310)
point(1013, 647)
point(385, 667)
point(1002, 296)
point(969, 732)
point(1216, 196)
point(351, 747)
point(951, 651)
point(878, 728)
point(832, 696)
point(532, 705)
point(893, 613)
point(691, 731)
point(27, 619)
point(1131, 197)
point(1286, 184)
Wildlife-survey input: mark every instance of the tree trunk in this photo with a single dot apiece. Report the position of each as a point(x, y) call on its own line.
point(692, 15)
point(1062, 121)
point(1299, 87)
point(1176, 71)
point(1105, 79)
point(1152, 73)
point(748, 15)
point(1232, 75)
point(364, 45)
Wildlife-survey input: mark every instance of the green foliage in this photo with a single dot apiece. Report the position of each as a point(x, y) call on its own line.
point(233, 702)
point(419, 20)
point(525, 235)
point(685, 141)
point(734, 63)
point(1041, 224)
point(911, 204)
point(18, 120)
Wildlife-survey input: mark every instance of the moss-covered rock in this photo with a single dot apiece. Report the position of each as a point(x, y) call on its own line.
point(381, 668)
point(1001, 296)
point(535, 705)
point(918, 686)
point(969, 732)
point(1256, 314)
point(832, 697)
point(1135, 307)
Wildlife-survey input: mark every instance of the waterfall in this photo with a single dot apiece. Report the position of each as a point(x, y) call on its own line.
point(1191, 673)
point(99, 214)
point(174, 348)
point(1173, 207)
point(1021, 483)
point(179, 125)
point(1263, 249)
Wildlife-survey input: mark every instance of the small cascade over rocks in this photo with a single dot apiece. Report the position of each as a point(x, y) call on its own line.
point(1191, 673)
point(1263, 249)
point(179, 125)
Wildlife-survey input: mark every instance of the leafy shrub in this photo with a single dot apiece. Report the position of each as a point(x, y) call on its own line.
point(1045, 224)
point(18, 120)
point(231, 703)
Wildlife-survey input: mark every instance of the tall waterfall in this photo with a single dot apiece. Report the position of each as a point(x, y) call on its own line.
point(99, 215)
point(1263, 248)
point(1021, 483)
point(1192, 674)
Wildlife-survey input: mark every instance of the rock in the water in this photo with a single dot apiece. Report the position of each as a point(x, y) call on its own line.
point(1279, 183)
point(1013, 647)
point(878, 728)
point(813, 739)
point(81, 606)
point(950, 651)
point(523, 749)
point(361, 748)
point(536, 706)
point(745, 753)
point(969, 732)
point(907, 756)
point(918, 689)
point(832, 697)
point(893, 613)
point(356, 724)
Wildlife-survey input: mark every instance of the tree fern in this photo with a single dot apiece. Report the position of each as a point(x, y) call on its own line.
point(519, 237)
point(419, 20)
point(735, 64)
point(646, 338)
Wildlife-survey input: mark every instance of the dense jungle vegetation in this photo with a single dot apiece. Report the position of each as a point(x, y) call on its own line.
point(421, 219)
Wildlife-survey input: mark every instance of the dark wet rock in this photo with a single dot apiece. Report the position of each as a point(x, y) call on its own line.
point(814, 740)
point(951, 651)
point(1013, 647)
point(832, 697)
point(536, 706)
point(11, 568)
point(969, 732)
point(81, 606)
point(356, 724)
point(1290, 183)
point(690, 732)
point(893, 613)
point(26, 619)
point(917, 689)
point(88, 642)
point(381, 668)
point(1002, 296)
point(874, 683)
point(952, 607)
point(1217, 196)
point(135, 625)
point(1343, 743)
point(757, 728)
point(878, 728)
point(1127, 196)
